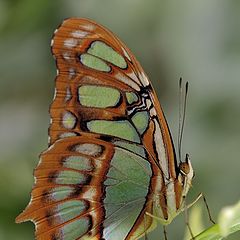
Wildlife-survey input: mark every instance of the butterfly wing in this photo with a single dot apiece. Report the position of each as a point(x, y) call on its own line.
point(110, 149)
point(89, 53)
point(87, 188)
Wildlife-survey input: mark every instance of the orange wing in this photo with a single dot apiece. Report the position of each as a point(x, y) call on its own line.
point(71, 41)
point(104, 113)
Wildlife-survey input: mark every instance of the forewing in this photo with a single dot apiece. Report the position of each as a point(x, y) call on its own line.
point(89, 54)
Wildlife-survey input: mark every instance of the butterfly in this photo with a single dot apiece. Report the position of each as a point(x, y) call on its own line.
point(110, 169)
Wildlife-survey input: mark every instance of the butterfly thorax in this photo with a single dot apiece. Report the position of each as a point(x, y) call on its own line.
point(169, 201)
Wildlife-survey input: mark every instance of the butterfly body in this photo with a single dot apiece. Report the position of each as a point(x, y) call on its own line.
point(111, 158)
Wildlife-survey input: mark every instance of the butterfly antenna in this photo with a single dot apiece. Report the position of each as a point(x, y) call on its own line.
point(180, 118)
point(183, 117)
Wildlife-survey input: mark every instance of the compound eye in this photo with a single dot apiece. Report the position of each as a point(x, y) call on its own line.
point(184, 168)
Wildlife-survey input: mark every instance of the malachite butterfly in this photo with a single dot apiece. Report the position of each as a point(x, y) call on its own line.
point(110, 169)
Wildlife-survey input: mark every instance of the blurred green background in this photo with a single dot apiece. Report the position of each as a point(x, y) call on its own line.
point(198, 40)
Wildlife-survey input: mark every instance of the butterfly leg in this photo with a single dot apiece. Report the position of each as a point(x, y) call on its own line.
point(145, 228)
point(186, 215)
point(201, 195)
point(208, 209)
point(165, 233)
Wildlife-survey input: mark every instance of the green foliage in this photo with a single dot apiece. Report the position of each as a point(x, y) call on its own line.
point(228, 223)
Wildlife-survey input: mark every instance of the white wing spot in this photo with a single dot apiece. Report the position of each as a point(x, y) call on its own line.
point(66, 55)
point(162, 158)
point(67, 134)
point(55, 94)
point(70, 43)
point(89, 149)
point(89, 27)
point(69, 120)
point(79, 34)
point(52, 42)
point(133, 76)
point(148, 103)
point(89, 194)
point(144, 79)
point(127, 81)
point(68, 95)
point(72, 72)
point(126, 54)
point(49, 139)
point(153, 112)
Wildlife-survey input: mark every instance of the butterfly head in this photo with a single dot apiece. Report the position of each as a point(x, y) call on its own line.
point(186, 174)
